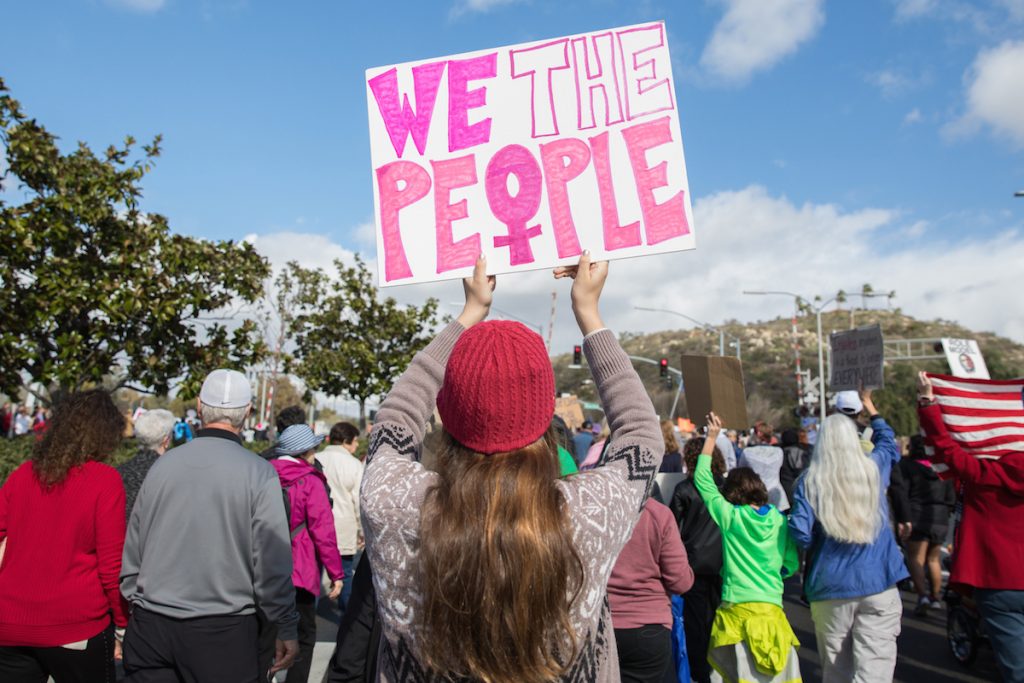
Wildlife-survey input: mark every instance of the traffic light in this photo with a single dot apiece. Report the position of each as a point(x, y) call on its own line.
point(577, 355)
point(663, 365)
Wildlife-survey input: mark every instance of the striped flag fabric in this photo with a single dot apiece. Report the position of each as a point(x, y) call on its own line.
point(985, 416)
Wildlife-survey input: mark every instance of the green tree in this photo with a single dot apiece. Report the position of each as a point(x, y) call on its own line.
point(349, 341)
point(91, 286)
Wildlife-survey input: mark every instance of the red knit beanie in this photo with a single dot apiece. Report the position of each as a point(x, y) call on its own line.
point(499, 390)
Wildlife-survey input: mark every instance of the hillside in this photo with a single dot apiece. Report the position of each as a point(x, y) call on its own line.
point(768, 361)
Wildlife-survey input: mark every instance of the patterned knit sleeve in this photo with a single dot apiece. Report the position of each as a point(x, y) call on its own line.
point(605, 502)
point(393, 479)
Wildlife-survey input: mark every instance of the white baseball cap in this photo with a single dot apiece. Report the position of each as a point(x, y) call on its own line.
point(848, 403)
point(226, 389)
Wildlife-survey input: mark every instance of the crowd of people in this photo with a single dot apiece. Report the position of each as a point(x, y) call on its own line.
point(487, 542)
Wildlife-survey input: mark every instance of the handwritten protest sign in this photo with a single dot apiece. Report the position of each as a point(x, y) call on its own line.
point(529, 154)
point(857, 357)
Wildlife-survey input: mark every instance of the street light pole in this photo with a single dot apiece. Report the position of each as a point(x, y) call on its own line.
point(710, 328)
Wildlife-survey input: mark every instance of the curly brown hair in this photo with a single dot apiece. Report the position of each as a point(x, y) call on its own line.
point(85, 426)
point(692, 449)
point(744, 487)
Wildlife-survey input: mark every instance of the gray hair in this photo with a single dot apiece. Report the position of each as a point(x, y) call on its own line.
point(232, 416)
point(153, 426)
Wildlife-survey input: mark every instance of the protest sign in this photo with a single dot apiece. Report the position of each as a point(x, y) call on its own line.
point(715, 383)
point(964, 358)
point(857, 357)
point(569, 409)
point(528, 154)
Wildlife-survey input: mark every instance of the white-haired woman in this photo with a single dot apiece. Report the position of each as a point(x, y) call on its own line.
point(840, 514)
point(153, 432)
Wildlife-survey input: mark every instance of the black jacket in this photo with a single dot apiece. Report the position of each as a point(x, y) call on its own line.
point(794, 461)
point(931, 498)
point(700, 534)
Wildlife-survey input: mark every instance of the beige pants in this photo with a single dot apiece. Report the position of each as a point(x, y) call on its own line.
point(857, 637)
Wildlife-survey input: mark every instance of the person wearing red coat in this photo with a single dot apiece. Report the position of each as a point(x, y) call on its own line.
point(989, 549)
point(62, 530)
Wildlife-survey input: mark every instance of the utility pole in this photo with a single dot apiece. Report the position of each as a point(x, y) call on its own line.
point(551, 322)
point(821, 350)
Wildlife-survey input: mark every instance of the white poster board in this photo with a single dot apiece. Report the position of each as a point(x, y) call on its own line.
point(529, 154)
point(964, 358)
point(857, 358)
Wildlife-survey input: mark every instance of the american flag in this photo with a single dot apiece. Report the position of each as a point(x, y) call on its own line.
point(985, 416)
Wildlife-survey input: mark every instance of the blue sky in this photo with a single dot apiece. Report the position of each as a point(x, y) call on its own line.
point(828, 144)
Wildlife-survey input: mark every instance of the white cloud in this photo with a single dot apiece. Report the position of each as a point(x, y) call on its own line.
point(755, 34)
point(913, 116)
point(995, 93)
point(309, 249)
point(749, 239)
point(893, 82)
point(478, 6)
point(365, 235)
point(912, 9)
point(138, 5)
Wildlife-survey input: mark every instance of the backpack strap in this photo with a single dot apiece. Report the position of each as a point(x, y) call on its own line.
point(288, 506)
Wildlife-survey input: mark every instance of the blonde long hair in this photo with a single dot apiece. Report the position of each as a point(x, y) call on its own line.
point(843, 485)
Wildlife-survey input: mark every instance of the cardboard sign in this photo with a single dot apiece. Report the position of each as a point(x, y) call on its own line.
point(528, 154)
point(857, 357)
point(569, 409)
point(715, 383)
point(964, 358)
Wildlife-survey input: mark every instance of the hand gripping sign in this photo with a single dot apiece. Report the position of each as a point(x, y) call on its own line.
point(528, 154)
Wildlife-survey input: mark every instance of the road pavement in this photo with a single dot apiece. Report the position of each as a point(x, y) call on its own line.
point(923, 651)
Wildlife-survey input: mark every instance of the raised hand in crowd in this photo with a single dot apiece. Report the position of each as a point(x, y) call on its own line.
point(865, 399)
point(924, 387)
point(479, 289)
point(588, 281)
point(714, 424)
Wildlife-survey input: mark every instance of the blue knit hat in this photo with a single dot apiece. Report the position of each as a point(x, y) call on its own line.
point(296, 440)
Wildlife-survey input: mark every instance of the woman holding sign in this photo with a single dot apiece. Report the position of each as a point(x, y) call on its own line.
point(493, 568)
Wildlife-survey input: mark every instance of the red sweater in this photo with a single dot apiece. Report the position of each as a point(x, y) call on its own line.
point(651, 566)
point(989, 549)
point(59, 573)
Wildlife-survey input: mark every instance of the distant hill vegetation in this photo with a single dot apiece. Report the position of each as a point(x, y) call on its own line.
point(769, 361)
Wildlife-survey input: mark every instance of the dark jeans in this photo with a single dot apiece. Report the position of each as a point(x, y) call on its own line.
point(94, 664)
point(645, 654)
point(699, 605)
point(159, 649)
point(348, 563)
point(305, 603)
point(1003, 612)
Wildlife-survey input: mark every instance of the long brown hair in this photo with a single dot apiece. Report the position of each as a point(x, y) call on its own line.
point(668, 434)
point(498, 566)
point(85, 426)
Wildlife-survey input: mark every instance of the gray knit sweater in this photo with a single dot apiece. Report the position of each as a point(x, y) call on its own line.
point(604, 504)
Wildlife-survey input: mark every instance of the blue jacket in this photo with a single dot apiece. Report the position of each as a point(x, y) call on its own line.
point(846, 570)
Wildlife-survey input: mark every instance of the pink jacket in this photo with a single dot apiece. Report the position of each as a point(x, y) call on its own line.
point(307, 491)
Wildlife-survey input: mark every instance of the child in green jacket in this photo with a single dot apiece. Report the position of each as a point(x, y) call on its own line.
point(751, 640)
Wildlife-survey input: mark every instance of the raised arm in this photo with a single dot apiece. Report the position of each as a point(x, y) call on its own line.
point(1007, 473)
point(410, 403)
point(626, 469)
point(886, 451)
point(718, 507)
